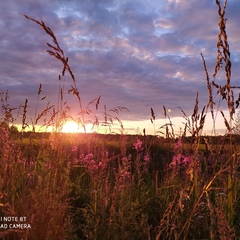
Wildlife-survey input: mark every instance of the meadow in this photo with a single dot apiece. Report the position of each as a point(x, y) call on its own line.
point(56, 185)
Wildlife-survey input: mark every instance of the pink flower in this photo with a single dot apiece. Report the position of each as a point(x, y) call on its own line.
point(127, 174)
point(74, 149)
point(178, 145)
point(102, 165)
point(88, 158)
point(138, 145)
point(181, 161)
point(147, 158)
point(187, 161)
point(48, 165)
point(31, 163)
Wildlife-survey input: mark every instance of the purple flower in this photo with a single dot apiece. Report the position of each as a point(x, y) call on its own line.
point(181, 161)
point(178, 146)
point(138, 145)
point(74, 149)
point(147, 158)
point(88, 158)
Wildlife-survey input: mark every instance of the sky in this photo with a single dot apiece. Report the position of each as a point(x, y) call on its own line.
point(135, 54)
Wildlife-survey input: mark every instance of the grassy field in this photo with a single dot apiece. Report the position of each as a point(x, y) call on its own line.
point(119, 187)
point(92, 186)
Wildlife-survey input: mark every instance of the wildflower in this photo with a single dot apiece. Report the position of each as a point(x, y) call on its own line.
point(178, 146)
point(181, 161)
point(88, 158)
point(147, 158)
point(187, 161)
point(90, 163)
point(31, 163)
point(48, 165)
point(101, 165)
point(138, 145)
point(74, 149)
point(183, 164)
point(127, 174)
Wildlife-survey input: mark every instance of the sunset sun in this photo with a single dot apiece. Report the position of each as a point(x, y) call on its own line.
point(73, 127)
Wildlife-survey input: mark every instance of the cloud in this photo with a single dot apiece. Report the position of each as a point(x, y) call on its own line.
point(137, 54)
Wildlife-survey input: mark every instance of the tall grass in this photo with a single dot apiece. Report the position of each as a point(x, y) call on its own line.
point(91, 186)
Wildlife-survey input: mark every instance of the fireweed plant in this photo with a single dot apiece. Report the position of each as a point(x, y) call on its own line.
point(91, 186)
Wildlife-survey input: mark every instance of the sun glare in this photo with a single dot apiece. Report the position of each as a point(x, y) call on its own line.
point(73, 127)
